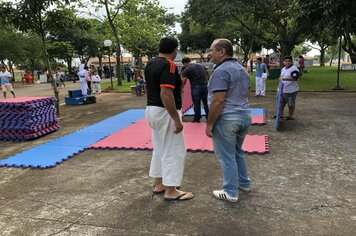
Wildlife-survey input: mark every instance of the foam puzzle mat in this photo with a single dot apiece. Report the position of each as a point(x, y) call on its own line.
point(138, 136)
point(53, 152)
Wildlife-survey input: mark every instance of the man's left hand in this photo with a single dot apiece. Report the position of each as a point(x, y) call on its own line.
point(209, 131)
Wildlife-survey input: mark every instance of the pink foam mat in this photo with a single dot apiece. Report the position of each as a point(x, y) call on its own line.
point(258, 119)
point(138, 136)
point(187, 97)
point(22, 99)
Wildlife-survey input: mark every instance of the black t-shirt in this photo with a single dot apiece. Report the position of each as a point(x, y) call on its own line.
point(196, 74)
point(161, 72)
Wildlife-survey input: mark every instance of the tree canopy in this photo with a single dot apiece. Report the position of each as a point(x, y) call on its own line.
point(273, 24)
point(338, 17)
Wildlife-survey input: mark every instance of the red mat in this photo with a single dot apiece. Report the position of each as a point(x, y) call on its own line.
point(138, 136)
point(187, 97)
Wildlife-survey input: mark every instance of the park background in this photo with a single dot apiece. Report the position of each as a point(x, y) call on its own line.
point(48, 34)
point(304, 186)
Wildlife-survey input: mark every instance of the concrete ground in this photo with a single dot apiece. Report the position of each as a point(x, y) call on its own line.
point(304, 186)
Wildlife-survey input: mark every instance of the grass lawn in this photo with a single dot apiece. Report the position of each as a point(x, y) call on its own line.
point(317, 79)
point(106, 83)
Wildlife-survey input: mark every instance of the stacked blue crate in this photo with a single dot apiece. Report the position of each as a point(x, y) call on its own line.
point(75, 97)
point(27, 118)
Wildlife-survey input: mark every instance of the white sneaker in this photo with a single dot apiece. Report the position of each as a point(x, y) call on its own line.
point(245, 189)
point(222, 195)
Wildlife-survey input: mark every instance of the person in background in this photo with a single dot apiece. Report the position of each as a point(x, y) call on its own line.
point(289, 78)
point(141, 85)
point(261, 76)
point(129, 73)
point(96, 82)
point(229, 119)
point(163, 112)
point(82, 65)
point(301, 65)
point(89, 80)
point(74, 74)
point(28, 78)
point(197, 76)
point(56, 75)
point(266, 60)
point(60, 74)
point(83, 77)
point(6, 78)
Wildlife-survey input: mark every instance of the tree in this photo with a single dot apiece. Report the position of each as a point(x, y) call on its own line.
point(340, 16)
point(195, 36)
point(300, 50)
point(120, 14)
point(61, 50)
point(332, 52)
point(11, 46)
point(274, 23)
point(242, 38)
point(349, 46)
point(142, 24)
point(198, 33)
point(112, 10)
point(37, 16)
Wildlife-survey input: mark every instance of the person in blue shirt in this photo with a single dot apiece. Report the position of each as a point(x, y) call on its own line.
point(5, 78)
point(229, 119)
point(261, 76)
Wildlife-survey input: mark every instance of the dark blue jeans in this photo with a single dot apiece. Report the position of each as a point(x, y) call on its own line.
point(129, 76)
point(200, 93)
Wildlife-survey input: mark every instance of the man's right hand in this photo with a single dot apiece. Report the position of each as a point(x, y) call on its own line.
point(179, 126)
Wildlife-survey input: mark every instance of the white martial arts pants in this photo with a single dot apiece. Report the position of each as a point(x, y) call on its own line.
point(169, 149)
point(96, 87)
point(84, 87)
point(260, 86)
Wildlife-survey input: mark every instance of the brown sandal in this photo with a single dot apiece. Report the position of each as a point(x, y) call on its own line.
point(189, 195)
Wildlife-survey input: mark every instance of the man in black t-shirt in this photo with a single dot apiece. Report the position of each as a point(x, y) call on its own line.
point(163, 112)
point(198, 80)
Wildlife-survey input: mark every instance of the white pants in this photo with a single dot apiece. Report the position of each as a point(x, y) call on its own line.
point(260, 86)
point(84, 87)
point(96, 87)
point(169, 149)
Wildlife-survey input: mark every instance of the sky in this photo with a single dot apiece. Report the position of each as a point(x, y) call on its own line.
point(174, 6)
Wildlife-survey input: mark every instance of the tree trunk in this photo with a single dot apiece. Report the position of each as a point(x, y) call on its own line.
point(286, 50)
point(100, 69)
point(69, 64)
point(118, 45)
point(322, 57)
point(247, 49)
point(349, 47)
point(353, 59)
point(48, 65)
point(119, 72)
point(11, 70)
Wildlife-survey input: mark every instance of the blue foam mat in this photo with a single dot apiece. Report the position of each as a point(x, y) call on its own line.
point(254, 111)
point(41, 156)
point(53, 152)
